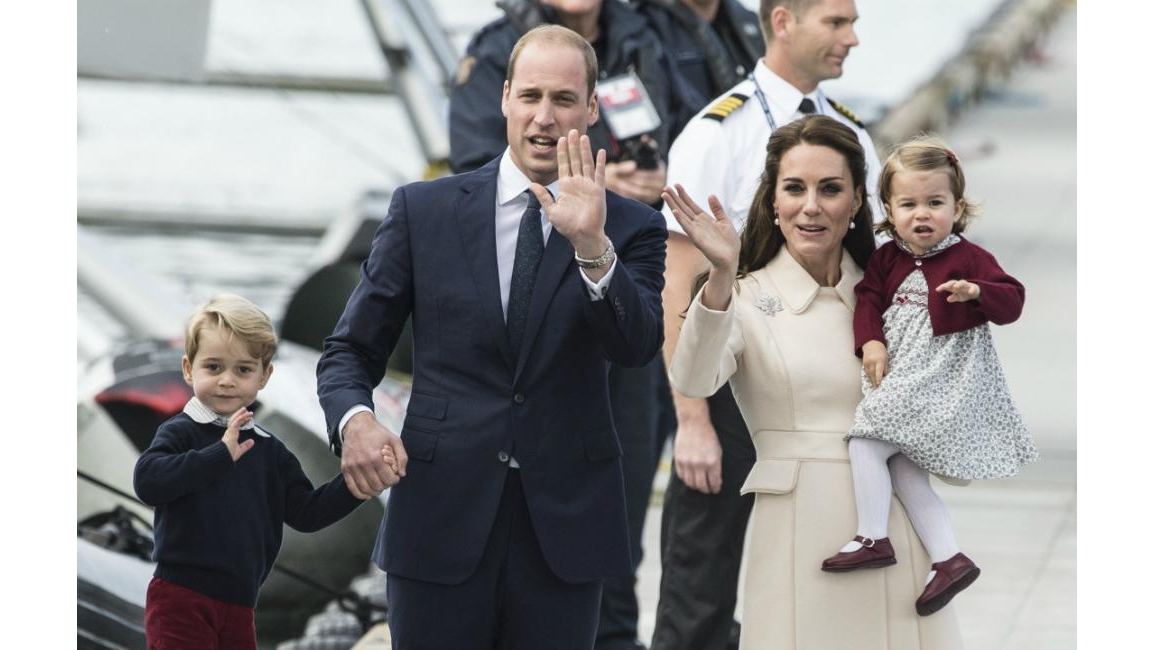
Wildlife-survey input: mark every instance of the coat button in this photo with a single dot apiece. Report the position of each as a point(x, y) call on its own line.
point(518, 398)
point(503, 457)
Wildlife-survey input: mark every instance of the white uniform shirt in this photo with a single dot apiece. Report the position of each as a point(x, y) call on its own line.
point(726, 158)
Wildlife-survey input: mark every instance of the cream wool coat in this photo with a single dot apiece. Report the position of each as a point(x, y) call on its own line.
point(787, 347)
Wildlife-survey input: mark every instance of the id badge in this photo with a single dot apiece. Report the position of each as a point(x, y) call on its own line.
point(626, 106)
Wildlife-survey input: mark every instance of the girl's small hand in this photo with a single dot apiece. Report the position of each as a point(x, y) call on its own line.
point(960, 290)
point(874, 360)
point(233, 434)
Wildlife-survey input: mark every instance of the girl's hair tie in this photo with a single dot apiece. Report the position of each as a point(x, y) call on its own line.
point(951, 157)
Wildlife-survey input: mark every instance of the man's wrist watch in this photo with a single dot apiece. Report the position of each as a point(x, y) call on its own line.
point(597, 262)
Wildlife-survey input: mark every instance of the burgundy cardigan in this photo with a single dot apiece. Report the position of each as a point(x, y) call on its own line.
point(1000, 301)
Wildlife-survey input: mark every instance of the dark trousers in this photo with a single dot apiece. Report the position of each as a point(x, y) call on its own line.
point(512, 602)
point(643, 415)
point(176, 618)
point(702, 537)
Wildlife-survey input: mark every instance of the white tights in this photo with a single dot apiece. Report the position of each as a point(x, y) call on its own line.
point(872, 489)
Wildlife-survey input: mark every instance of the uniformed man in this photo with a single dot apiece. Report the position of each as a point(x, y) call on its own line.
point(722, 151)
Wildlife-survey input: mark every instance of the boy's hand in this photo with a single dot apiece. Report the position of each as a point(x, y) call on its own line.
point(367, 472)
point(233, 434)
point(390, 459)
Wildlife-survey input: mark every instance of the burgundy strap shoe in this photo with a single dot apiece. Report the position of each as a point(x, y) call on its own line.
point(951, 576)
point(874, 553)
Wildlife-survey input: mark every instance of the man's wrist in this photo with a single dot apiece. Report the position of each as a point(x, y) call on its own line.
point(603, 256)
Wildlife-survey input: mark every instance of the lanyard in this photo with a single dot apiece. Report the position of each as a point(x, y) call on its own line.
point(766, 107)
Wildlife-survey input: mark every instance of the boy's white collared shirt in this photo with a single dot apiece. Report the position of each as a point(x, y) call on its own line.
point(202, 414)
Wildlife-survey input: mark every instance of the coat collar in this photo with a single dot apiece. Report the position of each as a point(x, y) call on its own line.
point(798, 289)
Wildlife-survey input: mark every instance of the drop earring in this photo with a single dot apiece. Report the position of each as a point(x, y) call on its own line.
point(775, 216)
point(852, 225)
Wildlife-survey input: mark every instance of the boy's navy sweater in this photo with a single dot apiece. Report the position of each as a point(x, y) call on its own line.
point(218, 524)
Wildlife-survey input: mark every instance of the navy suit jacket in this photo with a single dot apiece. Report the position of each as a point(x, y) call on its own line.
point(475, 400)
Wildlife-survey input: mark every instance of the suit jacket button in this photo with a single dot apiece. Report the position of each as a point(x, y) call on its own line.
point(518, 398)
point(503, 457)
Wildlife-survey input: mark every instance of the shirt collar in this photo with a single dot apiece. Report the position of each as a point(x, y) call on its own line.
point(512, 183)
point(799, 289)
point(782, 96)
point(202, 414)
point(950, 240)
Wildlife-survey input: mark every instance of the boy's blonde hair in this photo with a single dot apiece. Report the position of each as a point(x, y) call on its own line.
point(924, 152)
point(238, 318)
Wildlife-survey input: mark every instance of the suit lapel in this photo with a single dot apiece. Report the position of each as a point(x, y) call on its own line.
point(475, 223)
point(554, 261)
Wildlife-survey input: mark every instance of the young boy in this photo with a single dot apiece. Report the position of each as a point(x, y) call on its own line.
point(222, 488)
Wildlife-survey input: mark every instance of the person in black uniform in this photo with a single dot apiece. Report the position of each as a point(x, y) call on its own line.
point(713, 44)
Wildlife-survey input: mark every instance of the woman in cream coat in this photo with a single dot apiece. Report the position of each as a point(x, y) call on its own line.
point(774, 319)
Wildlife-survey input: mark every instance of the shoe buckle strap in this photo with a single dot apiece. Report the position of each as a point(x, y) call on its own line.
point(866, 542)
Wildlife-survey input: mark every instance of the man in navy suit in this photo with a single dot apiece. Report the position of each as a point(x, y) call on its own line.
point(524, 279)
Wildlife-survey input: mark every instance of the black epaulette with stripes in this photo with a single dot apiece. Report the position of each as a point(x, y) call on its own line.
point(723, 107)
point(846, 112)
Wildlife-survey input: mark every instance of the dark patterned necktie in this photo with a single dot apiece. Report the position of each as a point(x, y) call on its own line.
point(806, 107)
point(530, 245)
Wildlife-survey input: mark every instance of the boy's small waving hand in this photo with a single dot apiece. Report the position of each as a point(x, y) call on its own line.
point(233, 434)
